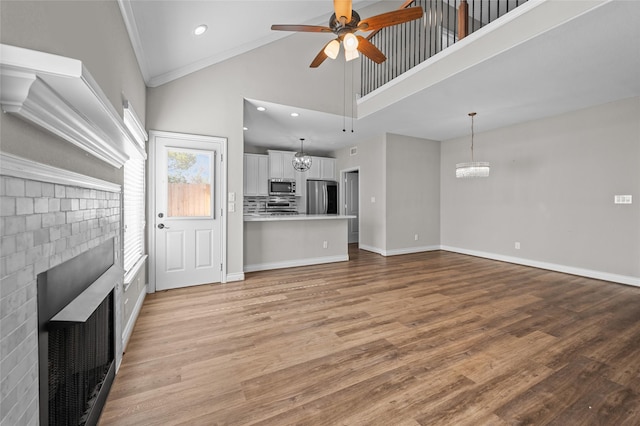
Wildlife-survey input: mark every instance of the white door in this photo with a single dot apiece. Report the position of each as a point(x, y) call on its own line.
point(187, 211)
point(352, 204)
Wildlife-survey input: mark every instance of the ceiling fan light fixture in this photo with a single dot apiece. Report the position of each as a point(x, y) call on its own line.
point(350, 55)
point(350, 42)
point(332, 49)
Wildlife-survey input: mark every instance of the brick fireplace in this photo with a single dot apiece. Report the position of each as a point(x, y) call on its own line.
point(47, 216)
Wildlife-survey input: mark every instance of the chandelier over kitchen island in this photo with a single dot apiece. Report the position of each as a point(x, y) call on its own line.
point(301, 161)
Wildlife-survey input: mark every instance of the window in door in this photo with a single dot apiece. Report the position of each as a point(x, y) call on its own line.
point(189, 183)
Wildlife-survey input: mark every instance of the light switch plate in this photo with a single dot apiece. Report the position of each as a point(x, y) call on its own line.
point(232, 207)
point(622, 199)
point(232, 196)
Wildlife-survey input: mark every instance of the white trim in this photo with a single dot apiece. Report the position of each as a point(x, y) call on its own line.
point(295, 263)
point(131, 274)
point(371, 249)
point(134, 35)
point(14, 166)
point(135, 126)
point(343, 197)
point(60, 95)
point(409, 250)
point(589, 273)
point(128, 329)
point(237, 276)
point(396, 252)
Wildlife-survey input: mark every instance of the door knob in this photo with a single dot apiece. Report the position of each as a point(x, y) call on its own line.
point(161, 226)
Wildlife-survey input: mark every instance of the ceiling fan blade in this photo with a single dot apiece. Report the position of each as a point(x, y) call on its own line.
point(302, 28)
point(319, 59)
point(390, 18)
point(343, 8)
point(370, 50)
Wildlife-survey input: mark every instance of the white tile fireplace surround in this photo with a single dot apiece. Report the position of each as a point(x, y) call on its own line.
point(47, 216)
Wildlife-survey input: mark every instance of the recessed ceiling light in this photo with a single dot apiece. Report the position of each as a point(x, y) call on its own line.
point(261, 108)
point(294, 114)
point(200, 29)
point(245, 128)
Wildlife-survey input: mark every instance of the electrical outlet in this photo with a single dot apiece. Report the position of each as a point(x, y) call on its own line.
point(373, 199)
point(325, 244)
point(415, 237)
point(517, 245)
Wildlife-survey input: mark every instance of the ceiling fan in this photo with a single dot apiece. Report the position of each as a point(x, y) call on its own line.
point(345, 22)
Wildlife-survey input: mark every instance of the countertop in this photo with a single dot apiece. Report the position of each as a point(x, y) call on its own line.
point(257, 217)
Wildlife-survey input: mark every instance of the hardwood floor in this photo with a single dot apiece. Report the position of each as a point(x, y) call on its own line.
point(432, 338)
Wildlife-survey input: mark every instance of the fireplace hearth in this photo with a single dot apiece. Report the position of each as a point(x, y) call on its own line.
point(76, 338)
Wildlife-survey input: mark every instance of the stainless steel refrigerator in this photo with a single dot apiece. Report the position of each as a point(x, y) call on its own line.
point(322, 196)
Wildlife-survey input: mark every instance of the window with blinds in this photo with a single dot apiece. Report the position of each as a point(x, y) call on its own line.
point(134, 191)
point(134, 213)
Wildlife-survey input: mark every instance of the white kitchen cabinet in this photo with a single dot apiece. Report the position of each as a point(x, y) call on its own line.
point(280, 165)
point(256, 175)
point(322, 168)
point(328, 168)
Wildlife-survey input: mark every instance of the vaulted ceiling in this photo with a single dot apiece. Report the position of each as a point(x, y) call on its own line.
point(591, 59)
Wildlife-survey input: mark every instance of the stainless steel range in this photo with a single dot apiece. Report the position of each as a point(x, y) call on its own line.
point(281, 206)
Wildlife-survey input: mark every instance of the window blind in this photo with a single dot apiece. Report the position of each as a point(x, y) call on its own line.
point(134, 189)
point(134, 211)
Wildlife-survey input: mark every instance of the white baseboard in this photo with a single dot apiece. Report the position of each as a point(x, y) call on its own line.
point(128, 329)
point(295, 263)
point(409, 250)
point(371, 249)
point(237, 276)
point(589, 273)
point(395, 252)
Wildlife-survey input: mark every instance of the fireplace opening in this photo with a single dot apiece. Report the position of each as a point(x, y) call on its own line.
point(76, 337)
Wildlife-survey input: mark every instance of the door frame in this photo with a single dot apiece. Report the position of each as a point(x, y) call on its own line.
point(343, 197)
point(151, 199)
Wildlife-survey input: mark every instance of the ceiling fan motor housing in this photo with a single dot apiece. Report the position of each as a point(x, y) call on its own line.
point(350, 27)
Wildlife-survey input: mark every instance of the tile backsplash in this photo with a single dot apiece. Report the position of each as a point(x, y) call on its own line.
point(257, 204)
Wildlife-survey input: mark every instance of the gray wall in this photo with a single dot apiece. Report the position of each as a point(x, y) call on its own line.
point(370, 160)
point(551, 188)
point(91, 31)
point(210, 102)
point(403, 175)
point(413, 193)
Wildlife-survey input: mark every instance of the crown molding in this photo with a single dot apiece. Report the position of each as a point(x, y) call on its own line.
point(59, 95)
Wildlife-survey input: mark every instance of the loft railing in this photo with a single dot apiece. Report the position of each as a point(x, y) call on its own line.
point(443, 24)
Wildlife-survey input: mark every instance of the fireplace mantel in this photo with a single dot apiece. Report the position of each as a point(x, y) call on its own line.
point(59, 94)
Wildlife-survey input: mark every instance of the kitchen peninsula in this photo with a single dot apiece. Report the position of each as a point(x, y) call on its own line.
point(272, 241)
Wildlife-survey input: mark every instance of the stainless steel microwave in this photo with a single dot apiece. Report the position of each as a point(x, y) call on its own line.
point(282, 187)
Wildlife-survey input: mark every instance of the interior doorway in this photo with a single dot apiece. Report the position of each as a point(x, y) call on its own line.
point(351, 181)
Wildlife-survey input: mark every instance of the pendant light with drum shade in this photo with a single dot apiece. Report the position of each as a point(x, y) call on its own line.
point(301, 161)
point(474, 168)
